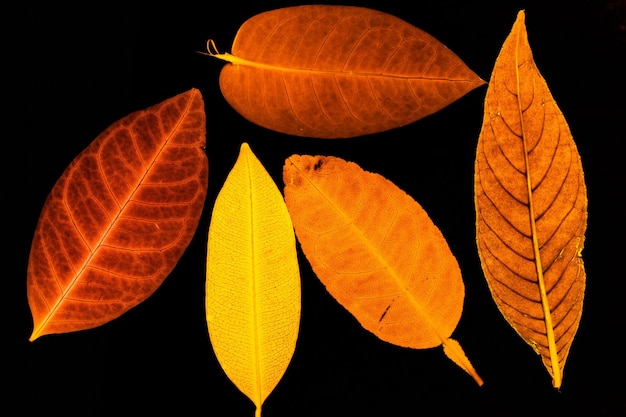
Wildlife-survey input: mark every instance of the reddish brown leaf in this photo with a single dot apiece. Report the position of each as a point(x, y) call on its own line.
point(119, 217)
point(338, 71)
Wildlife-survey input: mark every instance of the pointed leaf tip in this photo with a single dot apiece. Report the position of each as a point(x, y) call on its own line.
point(454, 352)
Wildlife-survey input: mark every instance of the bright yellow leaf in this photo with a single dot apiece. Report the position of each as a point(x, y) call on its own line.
point(253, 281)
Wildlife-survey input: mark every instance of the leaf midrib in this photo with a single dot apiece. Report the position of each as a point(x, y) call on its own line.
point(556, 371)
point(235, 60)
point(255, 292)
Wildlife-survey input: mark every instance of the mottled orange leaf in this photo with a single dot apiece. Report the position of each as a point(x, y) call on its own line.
point(377, 252)
point(338, 71)
point(531, 206)
point(119, 217)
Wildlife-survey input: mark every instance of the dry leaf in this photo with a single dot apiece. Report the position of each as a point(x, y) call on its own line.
point(253, 281)
point(119, 217)
point(531, 206)
point(377, 252)
point(338, 71)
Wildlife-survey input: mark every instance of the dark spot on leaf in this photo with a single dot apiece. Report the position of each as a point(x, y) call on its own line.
point(382, 316)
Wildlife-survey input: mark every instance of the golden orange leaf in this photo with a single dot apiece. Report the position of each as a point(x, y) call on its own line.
point(377, 252)
point(338, 71)
point(531, 206)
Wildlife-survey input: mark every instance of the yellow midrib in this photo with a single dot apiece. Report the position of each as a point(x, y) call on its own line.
point(556, 371)
point(255, 324)
point(235, 60)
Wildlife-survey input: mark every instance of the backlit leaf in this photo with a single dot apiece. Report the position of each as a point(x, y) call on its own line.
point(531, 206)
point(253, 281)
point(377, 252)
point(119, 218)
point(338, 71)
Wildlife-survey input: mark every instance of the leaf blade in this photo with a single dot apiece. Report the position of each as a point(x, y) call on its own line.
point(338, 71)
point(531, 205)
point(253, 282)
point(119, 217)
point(377, 252)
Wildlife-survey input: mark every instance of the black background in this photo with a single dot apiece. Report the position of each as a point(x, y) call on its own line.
point(75, 69)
